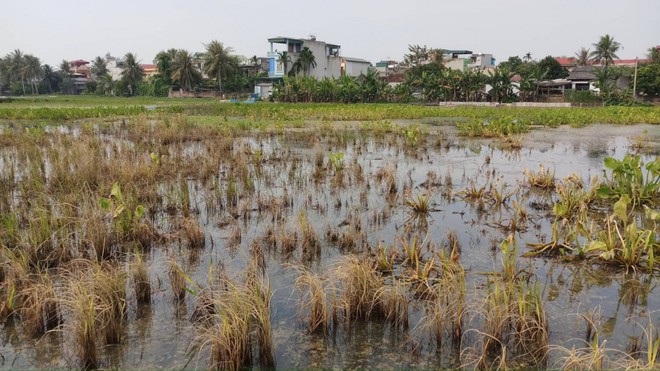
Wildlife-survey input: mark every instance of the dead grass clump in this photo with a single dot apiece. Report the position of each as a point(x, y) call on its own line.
point(193, 233)
point(360, 284)
point(140, 279)
point(392, 302)
point(110, 290)
point(83, 308)
point(235, 316)
point(314, 289)
point(177, 279)
point(309, 239)
point(39, 310)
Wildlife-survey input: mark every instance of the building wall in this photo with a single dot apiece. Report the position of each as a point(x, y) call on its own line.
point(326, 65)
point(459, 64)
point(114, 70)
point(355, 68)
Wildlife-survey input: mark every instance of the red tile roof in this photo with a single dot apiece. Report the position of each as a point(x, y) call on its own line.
point(566, 61)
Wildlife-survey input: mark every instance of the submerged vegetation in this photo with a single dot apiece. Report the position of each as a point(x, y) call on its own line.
point(270, 235)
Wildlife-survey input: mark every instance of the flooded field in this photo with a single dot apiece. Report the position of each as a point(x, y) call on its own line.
point(157, 243)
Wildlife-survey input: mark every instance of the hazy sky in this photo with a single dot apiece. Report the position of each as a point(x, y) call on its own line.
point(64, 29)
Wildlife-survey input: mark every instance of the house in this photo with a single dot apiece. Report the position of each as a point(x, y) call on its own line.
point(115, 66)
point(149, 70)
point(329, 61)
point(79, 74)
point(354, 66)
point(582, 78)
point(463, 60)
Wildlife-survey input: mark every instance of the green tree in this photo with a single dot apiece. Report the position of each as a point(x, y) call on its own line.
point(163, 61)
point(306, 60)
point(654, 54)
point(551, 69)
point(501, 87)
point(582, 56)
point(184, 70)
point(605, 50)
point(132, 73)
point(218, 61)
point(416, 55)
point(66, 74)
point(31, 72)
point(99, 67)
point(50, 78)
point(648, 80)
point(16, 65)
point(285, 59)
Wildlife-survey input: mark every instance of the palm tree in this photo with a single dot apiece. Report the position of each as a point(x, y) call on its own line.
point(605, 50)
point(99, 67)
point(582, 56)
point(306, 60)
point(5, 73)
point(65, 68)
point(285, 59)
point(17, 62)
point(49, 76)
point(217, 60)
point(31, 72)
point(184, 70)
point(132, 73)
point(527, 57)
point(65, 74)
point(163, 61)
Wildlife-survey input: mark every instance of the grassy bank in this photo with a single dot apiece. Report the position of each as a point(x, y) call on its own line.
point(78, 107)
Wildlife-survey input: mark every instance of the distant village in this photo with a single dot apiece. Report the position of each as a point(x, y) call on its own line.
point(309, 58)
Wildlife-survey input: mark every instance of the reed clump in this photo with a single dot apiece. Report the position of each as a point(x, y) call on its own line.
point(236, 316)
point(140, 279)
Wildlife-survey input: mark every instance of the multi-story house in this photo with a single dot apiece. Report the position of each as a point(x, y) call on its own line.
point(285, 51)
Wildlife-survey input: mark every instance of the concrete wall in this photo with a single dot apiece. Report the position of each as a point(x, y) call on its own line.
point(355, 68)
point(326, 65)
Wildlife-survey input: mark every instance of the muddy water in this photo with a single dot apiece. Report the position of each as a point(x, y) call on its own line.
point(159, 335)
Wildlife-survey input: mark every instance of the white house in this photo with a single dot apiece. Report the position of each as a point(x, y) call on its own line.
point(329, 61)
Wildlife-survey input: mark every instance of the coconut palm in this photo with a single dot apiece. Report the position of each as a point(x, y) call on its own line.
point(184, 71)
point(605, 50)
point(65, 68)
point(285, 59)
point(217, 60)
point(50, 77)
point(604, 53)
point(5, 73)
point(65, 73)
point(16, 64)
point(132, 73)
point(32, 72)
point(99, 67)
point(306, 60)
point(582, 56)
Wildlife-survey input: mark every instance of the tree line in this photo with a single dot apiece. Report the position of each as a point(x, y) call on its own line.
point(214, 69)
point(425, 76)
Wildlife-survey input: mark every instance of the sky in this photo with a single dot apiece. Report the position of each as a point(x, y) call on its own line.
point(374, 30)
